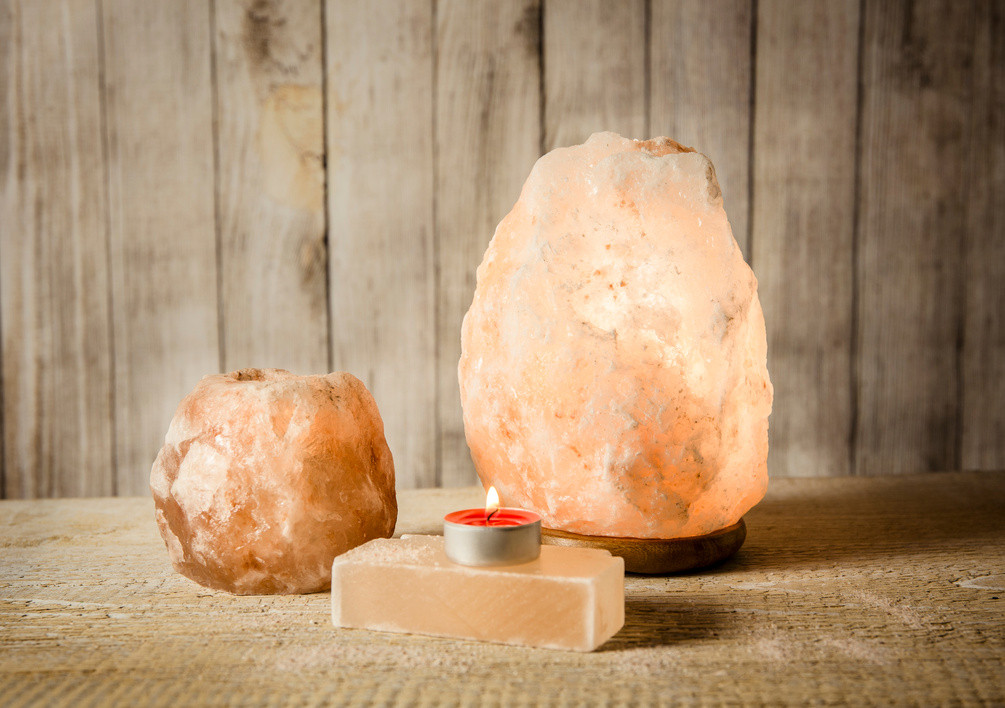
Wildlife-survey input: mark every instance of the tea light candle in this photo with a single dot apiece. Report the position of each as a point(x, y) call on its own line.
point(493, 535)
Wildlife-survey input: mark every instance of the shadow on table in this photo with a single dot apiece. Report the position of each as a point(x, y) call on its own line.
point(658, 622)
point(889, 518)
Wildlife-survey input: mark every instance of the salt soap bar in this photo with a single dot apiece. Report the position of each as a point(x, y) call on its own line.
point(569, 598)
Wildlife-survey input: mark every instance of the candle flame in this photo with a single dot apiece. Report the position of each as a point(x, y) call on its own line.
point(491, 503)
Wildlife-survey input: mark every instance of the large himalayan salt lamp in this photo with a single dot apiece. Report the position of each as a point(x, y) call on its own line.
point(613, 371)
point(265, 477)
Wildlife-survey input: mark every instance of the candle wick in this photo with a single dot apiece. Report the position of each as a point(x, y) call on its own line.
point(491, 514)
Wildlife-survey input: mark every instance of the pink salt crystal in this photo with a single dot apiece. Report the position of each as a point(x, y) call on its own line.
point(265, 477)
point(613, 371)
point(569, 598)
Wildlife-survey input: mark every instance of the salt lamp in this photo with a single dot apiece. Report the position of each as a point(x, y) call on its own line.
point(612, 373)
point(265, 477)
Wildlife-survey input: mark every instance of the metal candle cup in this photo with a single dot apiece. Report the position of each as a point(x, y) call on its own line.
point(482, 537)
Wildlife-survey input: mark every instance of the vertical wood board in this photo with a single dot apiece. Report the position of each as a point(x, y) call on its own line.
point(804, 199)
point(53, 253)
point(380, 172)
point(915, 122)
point(983, 380)
point(488, 136)
point(270, 142)
point(700, 90)
point(163, 236)
point(7, 92)
point(594, 70)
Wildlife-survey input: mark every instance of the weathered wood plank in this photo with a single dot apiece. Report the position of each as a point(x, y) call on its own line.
point(488, 136)
point(851, 591)
point(804, 199)
point(915, 117)
point(700, 89)
point(163, 236)
point(594, 70)
point(983, 356)
point(270, 142)
point(6, 149)
point(380, 172)
point(53, 253)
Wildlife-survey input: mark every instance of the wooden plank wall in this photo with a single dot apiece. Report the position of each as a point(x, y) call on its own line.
point(806, 90)
point(203, 185)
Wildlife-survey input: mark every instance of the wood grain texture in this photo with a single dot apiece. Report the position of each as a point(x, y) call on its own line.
point(163, 235)
point(270, 142)
point(700, 88)
point(804, 194)
point(594, 70)
point(6, 150)
point(849, 591)
point(982, 426)
point(915, 124)
point(380, 172)
point(488, 136)
point(57, 356)
point(113, 301)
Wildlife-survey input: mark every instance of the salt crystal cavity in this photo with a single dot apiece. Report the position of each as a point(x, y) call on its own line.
point(569, 598)
point(613, 373)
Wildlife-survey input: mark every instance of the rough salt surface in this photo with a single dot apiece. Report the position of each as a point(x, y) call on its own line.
point(265, 477)
point(613, 371)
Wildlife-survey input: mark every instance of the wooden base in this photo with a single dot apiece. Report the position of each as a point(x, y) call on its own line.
point(657, 556)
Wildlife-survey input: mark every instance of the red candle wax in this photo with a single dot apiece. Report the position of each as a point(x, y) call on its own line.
point(497, 517)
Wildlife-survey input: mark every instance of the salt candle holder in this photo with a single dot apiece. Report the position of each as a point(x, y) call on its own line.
point(558, 598)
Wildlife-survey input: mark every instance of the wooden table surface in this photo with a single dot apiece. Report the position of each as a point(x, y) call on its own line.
point(887, 591)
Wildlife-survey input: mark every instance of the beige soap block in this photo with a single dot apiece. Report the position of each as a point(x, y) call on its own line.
point(569, 598)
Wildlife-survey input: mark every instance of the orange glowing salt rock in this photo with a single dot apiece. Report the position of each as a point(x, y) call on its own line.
point(613, 372)
point(265, 477)
point(569, 598)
